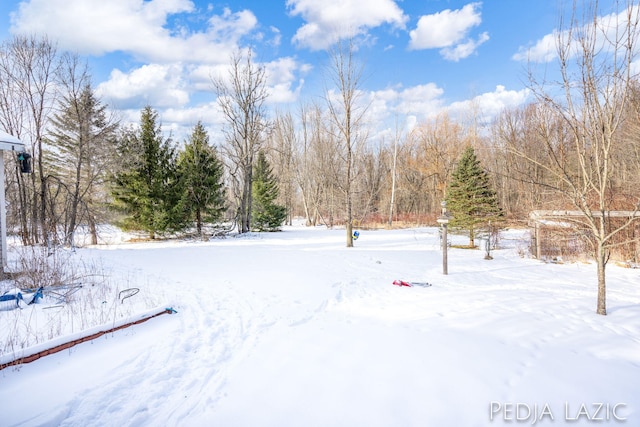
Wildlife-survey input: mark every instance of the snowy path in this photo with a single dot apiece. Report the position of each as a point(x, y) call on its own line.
point(291, 329)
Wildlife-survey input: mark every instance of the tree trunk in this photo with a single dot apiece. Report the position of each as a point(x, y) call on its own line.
point(245, 208)
point(393, 181)
point(23, 202)
point(199, 222)
point(348, 187)
point(93, 231)
point(601, 259)
point(74, 207)
point(349, 224)
point(35, 212)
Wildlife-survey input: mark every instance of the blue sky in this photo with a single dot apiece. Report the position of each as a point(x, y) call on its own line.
point(420, 56)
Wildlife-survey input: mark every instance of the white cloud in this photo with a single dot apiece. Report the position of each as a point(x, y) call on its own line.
point(276, 36)
point(281, 78)
point(328, 21)
point(153, 84)
point(464, 50)
point(284, 78)
point(170, 86)
point(410, 104)
point(135, 27)
point(448, 30)
point(182, 120)
point(207, 113)
point(200, 77)
point(423, 102)
point(231, 26)
point(179, 122)
point(544, 50)
point(490, 104)
point(608, 29)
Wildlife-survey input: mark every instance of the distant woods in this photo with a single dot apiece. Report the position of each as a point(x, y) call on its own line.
point(323, 159)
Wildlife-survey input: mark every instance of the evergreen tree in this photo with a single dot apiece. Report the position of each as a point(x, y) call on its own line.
point(200, 171)
point(266, 215)
point(84, 142)
point(146, 188)
point(470, 198)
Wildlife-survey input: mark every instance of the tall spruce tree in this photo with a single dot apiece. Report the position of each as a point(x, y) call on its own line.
point(200, 171)
point(146, 188)
point(266, 215)
point(84, 141)
point(470, 198)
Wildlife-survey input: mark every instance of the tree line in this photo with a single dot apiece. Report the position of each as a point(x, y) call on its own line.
point(317, 163)
point(575, 146)
point(89, 169)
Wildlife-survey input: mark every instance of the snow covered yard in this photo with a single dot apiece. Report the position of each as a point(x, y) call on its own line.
point(294, 329)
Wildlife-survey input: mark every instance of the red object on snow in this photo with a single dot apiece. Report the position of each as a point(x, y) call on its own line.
point(401, 283)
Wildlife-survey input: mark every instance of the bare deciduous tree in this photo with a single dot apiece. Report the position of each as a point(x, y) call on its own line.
point(428, 160)
point(518, 182)
point(394, 166)
point(595, 60)
point(315, 166)
point(346, 112)
point(13, 109)
point(241, 99)
point(29, 67)
point(282, 148)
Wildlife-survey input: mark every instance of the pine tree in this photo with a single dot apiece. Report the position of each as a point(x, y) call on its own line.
point(146, 188)
point(200, 171)
point(84, 143)
point(266, 215)
point(470, 198)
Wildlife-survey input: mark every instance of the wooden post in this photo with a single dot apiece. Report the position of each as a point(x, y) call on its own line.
point(445, 266)
point(444, 220)
point(538, 241)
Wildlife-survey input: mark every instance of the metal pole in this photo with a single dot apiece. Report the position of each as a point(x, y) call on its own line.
point(444, 249)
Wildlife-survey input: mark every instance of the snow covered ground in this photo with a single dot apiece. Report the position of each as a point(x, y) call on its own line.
point(295, 329)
